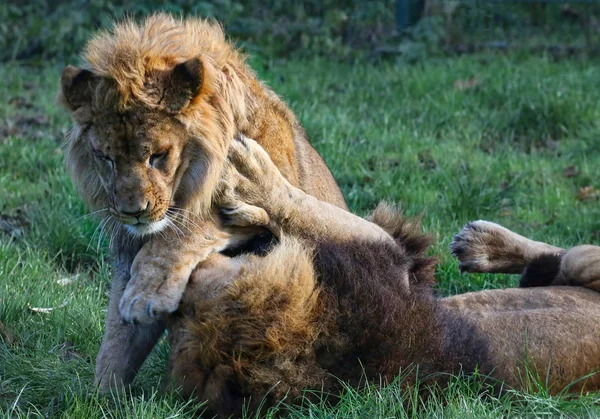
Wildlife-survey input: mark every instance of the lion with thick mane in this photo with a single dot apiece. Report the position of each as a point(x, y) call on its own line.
point(341, 298)
point(333, 299)
point(155, 106)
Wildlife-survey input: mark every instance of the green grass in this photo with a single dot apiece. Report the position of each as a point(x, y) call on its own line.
point(516, 149)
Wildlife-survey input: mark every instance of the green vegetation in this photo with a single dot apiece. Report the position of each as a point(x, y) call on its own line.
point(514, 140)
point(40, 29)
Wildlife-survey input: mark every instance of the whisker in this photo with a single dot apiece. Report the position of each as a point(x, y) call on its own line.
point(188, 224)
point(100, 236)
point(104, 220)
point(186, 216)
point(174, 226)
point(103, 232)
point(175, 219)
point(113, 233)
point(91, 213)
point(162, 234)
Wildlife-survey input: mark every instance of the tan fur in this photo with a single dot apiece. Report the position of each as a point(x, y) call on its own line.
point(528, 338)
point(340, 300)
point(580, 265)
point(482, 246)
point(156, 106)
point(251, 185)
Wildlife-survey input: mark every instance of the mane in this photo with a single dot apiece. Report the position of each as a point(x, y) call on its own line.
point(311, 318)
point(406, 231)
point(388, 325)
point(128, 62)
point(130, 52)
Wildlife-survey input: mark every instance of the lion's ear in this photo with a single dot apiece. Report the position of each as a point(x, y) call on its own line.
point(182, 84)
point(77, 87)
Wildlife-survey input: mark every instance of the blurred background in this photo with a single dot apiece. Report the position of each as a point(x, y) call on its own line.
point(345, 29)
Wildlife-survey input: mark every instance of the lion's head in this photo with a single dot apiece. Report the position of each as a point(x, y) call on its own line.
point(155, 107)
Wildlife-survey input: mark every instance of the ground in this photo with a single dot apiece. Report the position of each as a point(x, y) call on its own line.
point(508, 139)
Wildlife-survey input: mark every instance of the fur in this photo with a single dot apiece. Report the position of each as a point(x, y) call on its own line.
point(175, 83)
point(341, 300)
point(541, 271)
point(318, 318)
point(297, 319)
point(483, 246)
point(129, 67)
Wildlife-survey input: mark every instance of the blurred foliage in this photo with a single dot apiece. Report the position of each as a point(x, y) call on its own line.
point(57, 29)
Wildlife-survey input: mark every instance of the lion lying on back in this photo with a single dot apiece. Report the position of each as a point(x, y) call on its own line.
point(340, 299)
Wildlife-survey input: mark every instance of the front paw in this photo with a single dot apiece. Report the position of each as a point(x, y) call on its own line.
point(239, 214)
point(251, 174)
point(146, 301)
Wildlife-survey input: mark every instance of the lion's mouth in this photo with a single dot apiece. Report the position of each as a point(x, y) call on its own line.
point(140, 228)
point(142, 224)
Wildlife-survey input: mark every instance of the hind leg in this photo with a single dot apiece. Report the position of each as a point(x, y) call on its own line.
point(580, 266)
point(482, 246)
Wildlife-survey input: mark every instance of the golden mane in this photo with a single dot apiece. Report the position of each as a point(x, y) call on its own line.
point(131, 51)
point(129, 64)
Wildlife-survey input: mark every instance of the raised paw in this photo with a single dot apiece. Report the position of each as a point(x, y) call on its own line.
point(479, 245)
point(250, 180)
point(252, 162)
point(147, 300)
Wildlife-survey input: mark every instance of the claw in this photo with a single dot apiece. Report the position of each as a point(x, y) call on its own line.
point(227, 211)
point(132, 320)
point(149, 311)
point(242, 139)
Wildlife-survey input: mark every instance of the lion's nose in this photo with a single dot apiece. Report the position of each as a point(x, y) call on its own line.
point(133, 209)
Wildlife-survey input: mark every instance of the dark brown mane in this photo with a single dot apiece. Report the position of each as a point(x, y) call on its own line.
point(386, 325)
point(408, 234)
point(301, 319)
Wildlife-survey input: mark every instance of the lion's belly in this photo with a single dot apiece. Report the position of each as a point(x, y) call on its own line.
point(551, 333)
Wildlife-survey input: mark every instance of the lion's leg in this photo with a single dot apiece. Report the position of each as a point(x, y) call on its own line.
point(161, 270)
point(482, 246)
point(579, 266)
point(124, 346)
point(253, 189)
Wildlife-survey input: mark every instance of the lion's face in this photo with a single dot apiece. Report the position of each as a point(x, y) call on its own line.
point(137, 157)
point(144, 159)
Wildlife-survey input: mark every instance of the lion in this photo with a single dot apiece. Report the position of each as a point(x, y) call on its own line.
point(340, 298)
point(155, 107)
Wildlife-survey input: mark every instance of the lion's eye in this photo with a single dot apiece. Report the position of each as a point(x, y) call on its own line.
point(156, 158)
point(101, 156)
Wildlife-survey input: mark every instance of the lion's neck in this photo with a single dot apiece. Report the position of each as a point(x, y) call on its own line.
point(264, 117)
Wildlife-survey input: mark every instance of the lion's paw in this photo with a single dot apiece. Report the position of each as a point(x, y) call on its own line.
point(249, 180)
point(252, 161)
point(243, 215)
point(148, 301)
point(475, 245)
